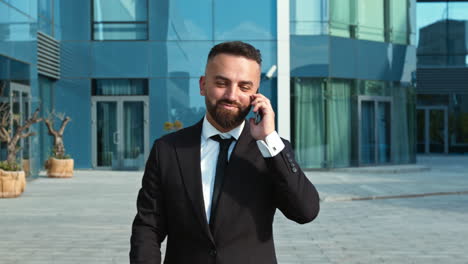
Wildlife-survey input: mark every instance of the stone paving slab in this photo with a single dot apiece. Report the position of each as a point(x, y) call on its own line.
point(87, 219)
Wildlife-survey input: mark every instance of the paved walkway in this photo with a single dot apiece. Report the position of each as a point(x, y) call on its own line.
point(87, 219)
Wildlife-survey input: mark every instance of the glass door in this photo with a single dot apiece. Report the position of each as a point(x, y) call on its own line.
point(374, 130)
point(383, 131)
point(106, 134)
point(367, 137)
point(120, 132)
point(20, 102)
point(432, 129)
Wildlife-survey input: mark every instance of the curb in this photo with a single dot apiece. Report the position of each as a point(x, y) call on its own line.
point(384, 169)
point(349, 199)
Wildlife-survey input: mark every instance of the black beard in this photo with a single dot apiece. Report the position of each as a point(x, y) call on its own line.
point(225, 118)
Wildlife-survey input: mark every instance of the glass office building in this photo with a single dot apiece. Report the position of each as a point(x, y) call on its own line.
point(127, 71)
point(352, 96)
point(442, 77)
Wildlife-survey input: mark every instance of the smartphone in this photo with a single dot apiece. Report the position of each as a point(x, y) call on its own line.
point(258, 117)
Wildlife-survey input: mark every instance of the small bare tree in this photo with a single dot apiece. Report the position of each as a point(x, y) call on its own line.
point(59, 147)
point(21, 131)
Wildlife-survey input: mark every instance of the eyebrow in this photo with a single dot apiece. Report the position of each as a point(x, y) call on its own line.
point(227, 79)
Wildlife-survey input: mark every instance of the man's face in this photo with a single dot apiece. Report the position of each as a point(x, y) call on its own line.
point(228, 83)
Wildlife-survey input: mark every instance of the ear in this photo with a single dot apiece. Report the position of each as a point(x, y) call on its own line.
point(202, 83)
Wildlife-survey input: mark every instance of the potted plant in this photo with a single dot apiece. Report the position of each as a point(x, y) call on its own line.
point(12, 177)
point(59, 164)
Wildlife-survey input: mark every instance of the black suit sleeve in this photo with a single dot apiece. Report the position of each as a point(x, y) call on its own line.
point(149, 226)
point(295, 195)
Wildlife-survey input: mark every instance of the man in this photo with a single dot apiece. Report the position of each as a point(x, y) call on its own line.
point(215, 197)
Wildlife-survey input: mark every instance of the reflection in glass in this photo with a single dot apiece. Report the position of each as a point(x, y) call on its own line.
point(120, 20)
point(307, 18)
point(342, 18)
point(338, 101)
point(308, 122)
point(371, 20)
point(399, 21)
point(442, 34)
point(120, 31)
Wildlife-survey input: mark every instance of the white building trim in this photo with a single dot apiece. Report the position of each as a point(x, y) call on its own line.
point(284, 94)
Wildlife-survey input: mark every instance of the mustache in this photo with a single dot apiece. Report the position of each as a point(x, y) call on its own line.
point(226, 101)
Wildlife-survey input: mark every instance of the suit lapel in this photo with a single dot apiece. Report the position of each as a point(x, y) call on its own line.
point(188, 155)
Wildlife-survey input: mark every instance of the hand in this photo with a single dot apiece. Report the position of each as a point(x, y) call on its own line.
point(261, 130)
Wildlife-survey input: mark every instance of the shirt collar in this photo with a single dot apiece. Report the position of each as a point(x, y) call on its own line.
point(208, 130)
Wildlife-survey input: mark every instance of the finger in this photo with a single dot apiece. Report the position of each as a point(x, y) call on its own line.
point(259, 100)
point(263, 106)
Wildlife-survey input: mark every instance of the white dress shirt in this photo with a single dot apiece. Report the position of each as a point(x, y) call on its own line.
point(209, 150)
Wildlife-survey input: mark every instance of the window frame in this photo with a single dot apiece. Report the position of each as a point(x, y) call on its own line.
point(119, 22)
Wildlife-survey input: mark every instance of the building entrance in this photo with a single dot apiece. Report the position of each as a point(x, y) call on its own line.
point(374, 130)
point(120, 132)
point(432, 129)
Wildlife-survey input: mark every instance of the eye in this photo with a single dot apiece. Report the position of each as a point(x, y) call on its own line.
point(245, 88)
point(221, 84)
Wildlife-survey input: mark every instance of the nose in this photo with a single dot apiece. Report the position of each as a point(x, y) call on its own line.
point(231, 93)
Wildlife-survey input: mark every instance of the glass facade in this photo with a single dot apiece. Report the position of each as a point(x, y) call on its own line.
point(343, 123)
point(131, 66)
point(120, 20)
point(375, 20)
point(443, 34)
point(442, 76)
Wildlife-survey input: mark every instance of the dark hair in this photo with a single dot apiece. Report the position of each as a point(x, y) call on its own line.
point(237, 48)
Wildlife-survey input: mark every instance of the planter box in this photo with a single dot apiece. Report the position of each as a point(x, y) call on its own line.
point(12, 183)
point(59, 168)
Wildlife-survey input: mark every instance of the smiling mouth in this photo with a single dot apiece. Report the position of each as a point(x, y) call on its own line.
point(228, 106)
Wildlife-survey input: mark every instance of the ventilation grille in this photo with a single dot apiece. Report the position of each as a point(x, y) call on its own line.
point(48, 56)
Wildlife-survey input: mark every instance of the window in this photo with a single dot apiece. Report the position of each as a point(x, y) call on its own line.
point(117, 87)
point(120, 20)
point(376, 20)
point(442, 34)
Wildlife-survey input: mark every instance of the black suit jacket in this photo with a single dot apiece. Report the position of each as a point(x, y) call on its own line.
point(170, 203)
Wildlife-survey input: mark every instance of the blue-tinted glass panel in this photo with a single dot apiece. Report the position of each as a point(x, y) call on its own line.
point(174, 99)
point(178, 21)
point(117, 59)
point(120, 10)
point(20, 26)
point(45, 9)
point(307, 17)
point(309, 56)
point(179, 58)
point(120, 31)
point(442, 34)
point(70, 13)
point(19, 71)
point(29, 7)
point(245, 19)
point(269, 53)
point(44, 26)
